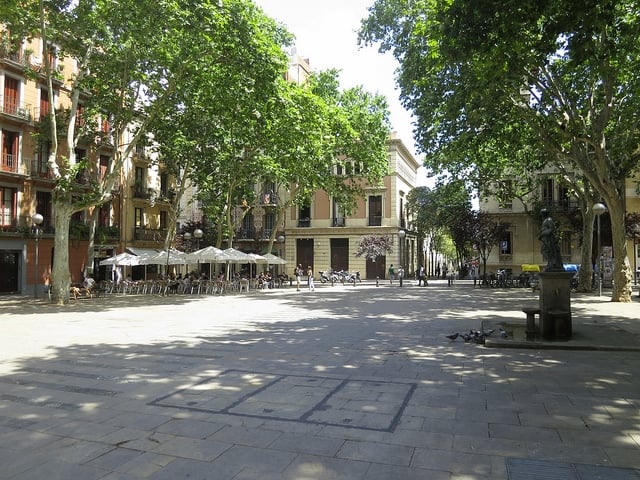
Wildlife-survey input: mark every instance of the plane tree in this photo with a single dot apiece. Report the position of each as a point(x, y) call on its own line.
point(131, 57)
point(567, 70)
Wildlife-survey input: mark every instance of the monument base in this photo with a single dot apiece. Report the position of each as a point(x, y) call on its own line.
point(555, 305)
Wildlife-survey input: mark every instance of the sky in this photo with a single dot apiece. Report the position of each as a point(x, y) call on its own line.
point(326, 34)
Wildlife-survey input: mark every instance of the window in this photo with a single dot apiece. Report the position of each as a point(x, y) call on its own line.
point(45, 105)
point(164, 184)
point(269, 224)
point(547, 191)
point(375, 210)
point(163, 219)
point(104, 215)
point(43, 160)
point(104, 165)
point(7, 206)
point(247, 226)
point(564, 197)
point(45, 208)
point(505, 244)
point(11, 95)
point(10, 146)
point(139, 217)
point(304, 216)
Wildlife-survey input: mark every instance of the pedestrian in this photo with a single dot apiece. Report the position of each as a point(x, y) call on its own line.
point(298, 273)
point(400, 274)
point(422, 277)
point(392, 274)
point(310, 279)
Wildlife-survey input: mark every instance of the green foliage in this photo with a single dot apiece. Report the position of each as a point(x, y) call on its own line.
point(487, 79)
point(374, 246)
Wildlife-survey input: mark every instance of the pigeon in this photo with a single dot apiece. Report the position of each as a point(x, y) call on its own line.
point(503, 333)
point(453, 336)
point(488, 334)
point(466, 337)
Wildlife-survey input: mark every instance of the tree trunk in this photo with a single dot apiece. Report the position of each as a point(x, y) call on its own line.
point(621, 268)
point(585, 277)
point(60, 275)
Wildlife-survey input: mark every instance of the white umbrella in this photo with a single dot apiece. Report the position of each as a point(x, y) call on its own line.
point(231, 255)
point(175, 257)
point(206, 254)
point(274, 259)
point(123, 258)
point(255, 258)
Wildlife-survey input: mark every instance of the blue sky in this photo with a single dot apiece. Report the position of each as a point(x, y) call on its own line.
point(326, 34)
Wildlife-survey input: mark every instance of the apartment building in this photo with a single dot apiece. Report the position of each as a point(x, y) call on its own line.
point(320, 235)
point(137, 214)
point(520, 244)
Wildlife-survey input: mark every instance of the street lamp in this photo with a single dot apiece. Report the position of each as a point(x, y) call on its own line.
point(197, 233)
point(599, 209)
point(401, 235)
point(37, 220)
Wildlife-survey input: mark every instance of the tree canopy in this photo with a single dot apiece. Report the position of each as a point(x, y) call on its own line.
point(566, 71)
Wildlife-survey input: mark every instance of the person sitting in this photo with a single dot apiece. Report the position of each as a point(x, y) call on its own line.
point(88, 284)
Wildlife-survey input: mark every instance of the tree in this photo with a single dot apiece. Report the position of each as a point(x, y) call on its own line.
point(133, 58)
point(486, 233)
point(567, 70)
point(373, 247)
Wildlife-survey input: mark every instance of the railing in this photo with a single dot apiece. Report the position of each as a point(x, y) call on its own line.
point(339, 222)
point(150, 234)
point(9, 163)
point(143, 193)
point(375, 220)
point(304, 222)
point(40, 168)
point(268, 198)
point(10, 106)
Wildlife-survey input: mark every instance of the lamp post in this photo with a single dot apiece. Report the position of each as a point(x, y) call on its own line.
point(37, 220)
point(599, 209)
point(401, 235)
point(198, 234)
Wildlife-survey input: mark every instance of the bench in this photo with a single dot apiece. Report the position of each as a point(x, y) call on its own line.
point(531, 313)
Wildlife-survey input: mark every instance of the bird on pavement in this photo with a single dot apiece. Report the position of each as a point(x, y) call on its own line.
point(503, 333)
point(453, 336)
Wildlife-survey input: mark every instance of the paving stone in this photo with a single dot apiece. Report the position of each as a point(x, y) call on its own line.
point(376, 452)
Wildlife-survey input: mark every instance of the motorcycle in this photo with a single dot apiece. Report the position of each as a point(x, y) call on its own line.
point(326, 276)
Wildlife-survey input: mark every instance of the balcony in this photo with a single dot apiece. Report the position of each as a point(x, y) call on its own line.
point(268, 198)
point(9, 163)
point(375, 220)
point(12, 109)
point(141, 192)
point(304, 222)
point(150, 234)
point(339, 222)
point(40, 169)
point(107, 234)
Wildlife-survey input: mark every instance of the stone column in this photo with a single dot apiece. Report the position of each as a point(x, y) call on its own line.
point(555, 305)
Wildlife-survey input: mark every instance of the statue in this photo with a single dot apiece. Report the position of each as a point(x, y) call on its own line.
point(550, 247)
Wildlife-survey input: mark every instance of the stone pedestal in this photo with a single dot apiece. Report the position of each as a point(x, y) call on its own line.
point(555, 305)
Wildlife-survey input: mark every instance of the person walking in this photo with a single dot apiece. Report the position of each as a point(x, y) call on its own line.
point(400, 274)
point(312, 287)
point(298, 273)
point(392, 274)
point(422, 276)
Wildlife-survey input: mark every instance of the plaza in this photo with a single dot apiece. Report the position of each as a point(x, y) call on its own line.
point(340, 383)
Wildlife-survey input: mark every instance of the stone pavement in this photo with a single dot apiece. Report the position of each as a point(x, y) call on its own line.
point(340, 383)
